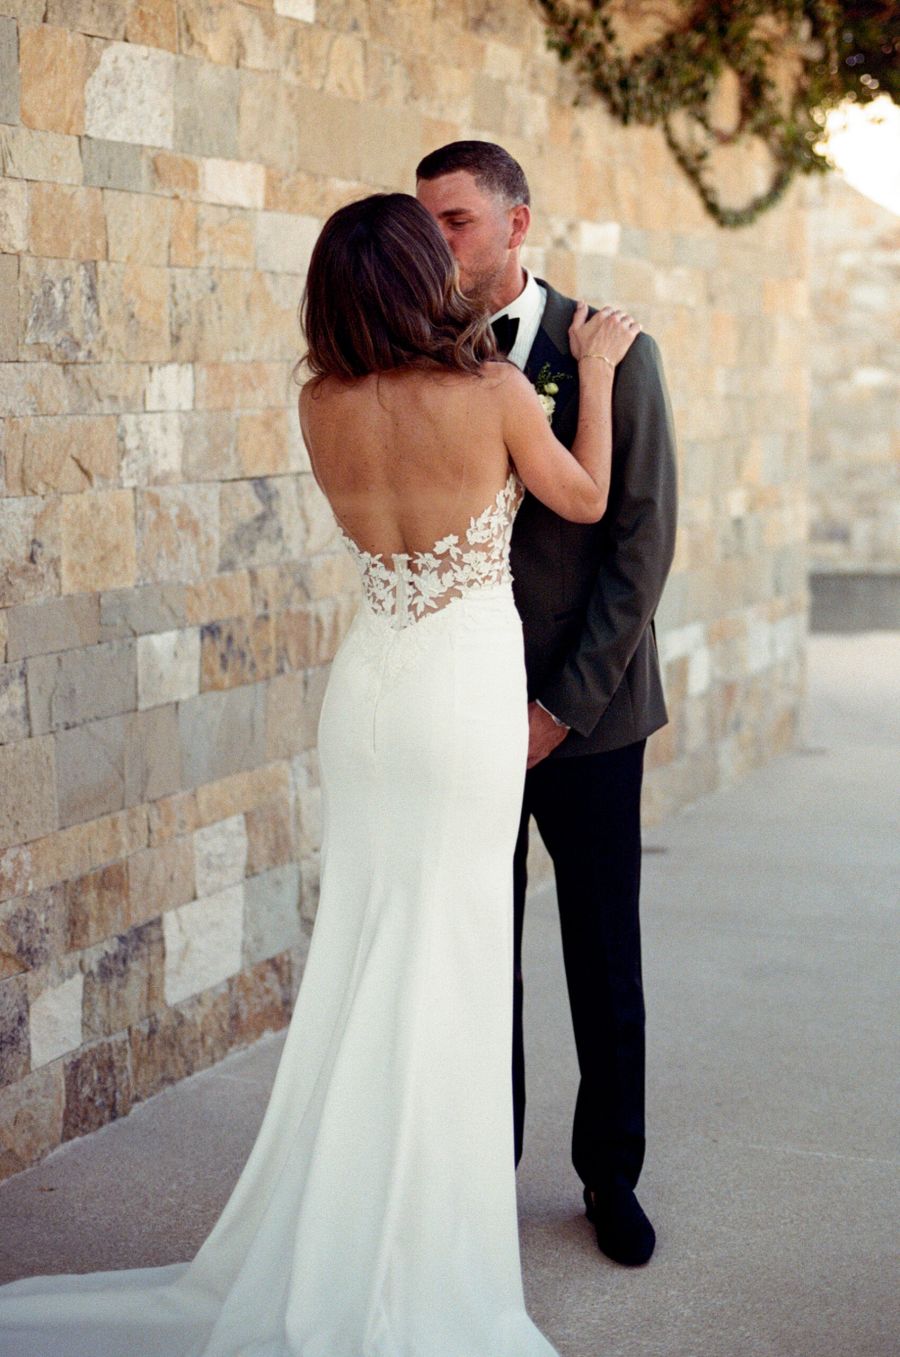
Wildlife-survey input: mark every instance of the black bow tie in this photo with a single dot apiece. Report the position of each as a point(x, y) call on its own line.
point(505, 329)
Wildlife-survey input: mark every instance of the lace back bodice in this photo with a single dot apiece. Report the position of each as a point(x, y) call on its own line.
point(406, 587)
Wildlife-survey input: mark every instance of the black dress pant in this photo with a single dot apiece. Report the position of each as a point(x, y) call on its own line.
point(587, 809)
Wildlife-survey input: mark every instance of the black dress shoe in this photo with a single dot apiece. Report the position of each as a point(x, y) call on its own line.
point(623, 1231)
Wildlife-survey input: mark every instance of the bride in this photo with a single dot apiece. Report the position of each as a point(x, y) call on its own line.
point(376, 1214)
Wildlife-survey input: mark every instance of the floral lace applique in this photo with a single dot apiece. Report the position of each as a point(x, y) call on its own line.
point(406, 587)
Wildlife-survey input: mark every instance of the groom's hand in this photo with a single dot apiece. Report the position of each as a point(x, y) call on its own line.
point(543, 733)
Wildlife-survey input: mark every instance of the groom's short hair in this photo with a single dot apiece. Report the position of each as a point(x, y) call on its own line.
point(491, 167)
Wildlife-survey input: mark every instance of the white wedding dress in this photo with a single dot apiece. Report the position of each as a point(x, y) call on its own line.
point(376, 1214)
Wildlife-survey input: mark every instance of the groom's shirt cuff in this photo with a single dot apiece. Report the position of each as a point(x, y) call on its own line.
point(555, 719)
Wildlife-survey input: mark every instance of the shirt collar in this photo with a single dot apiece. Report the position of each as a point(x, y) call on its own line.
point(528, 304)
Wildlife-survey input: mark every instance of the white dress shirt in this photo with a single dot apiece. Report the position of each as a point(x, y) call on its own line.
point(528, 308)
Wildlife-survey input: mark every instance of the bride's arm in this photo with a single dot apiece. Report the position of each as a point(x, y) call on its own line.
point(573, 484)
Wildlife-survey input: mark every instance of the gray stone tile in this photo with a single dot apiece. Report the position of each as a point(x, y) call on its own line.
point(206, 109)
point(13, 703)
point(58, 624)
point(9, 71)
point(272, 913)
point(152, 755)
point(260, 522)
point(9, 308)
point(222, 733)
point(32, 930)
point(14, 1047)
point(114, 164)
point(91, 770)
point(136, 612)
point(123, 980)
point(77, 686)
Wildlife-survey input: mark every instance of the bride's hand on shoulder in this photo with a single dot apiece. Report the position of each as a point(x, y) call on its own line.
point(607, 334)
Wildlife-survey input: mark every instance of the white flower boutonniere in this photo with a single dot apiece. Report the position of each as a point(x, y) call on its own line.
point(546, 384)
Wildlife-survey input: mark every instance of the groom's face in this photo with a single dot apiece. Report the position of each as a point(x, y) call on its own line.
point(481, 230)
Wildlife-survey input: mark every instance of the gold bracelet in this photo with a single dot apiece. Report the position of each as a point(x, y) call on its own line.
point(603, 359)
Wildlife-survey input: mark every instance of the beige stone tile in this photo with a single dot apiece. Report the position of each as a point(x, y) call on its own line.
point(97, 906)
point(98, 18)
point(71, 851)
point(61, 454)
point(137, 226)
point(173, 816)
point(284, 241)
point(98, 541)
point(178, 174)
point(262, 442)
point(183, 236)
point(208, 31)
point(218, 597)
point(98, 1087)
point(235, 652)
point(53, 70)
point(178, 532)
point(270, 836)
point(9, 310)
point(66, 222)
point(210, 446)
point(241, 792)
point(31, 1117)
point(27, 790)
point(13, 216)
point(241, 386)
point(26, 153)
point(261, 999)
point(224, 237)
point(153, 23)
point(180, 1040)
point(160, 879)
point(134, 312)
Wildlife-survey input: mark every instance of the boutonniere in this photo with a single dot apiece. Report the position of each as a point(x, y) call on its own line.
point(546, 384)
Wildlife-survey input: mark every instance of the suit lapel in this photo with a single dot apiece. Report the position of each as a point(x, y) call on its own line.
point(551, 346)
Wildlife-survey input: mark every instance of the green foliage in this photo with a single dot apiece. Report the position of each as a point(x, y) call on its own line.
point(839, 51)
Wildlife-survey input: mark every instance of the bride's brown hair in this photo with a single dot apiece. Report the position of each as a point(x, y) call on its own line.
point(382, 292)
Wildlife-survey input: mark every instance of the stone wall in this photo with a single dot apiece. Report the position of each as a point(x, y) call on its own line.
point(855, 390)
point(171, 590)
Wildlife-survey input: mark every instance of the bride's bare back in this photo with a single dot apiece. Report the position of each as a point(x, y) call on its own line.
point(406, 457)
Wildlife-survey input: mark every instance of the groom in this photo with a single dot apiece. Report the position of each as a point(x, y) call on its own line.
point(586, 595)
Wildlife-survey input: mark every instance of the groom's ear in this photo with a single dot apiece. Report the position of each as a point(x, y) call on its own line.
point(519, 222)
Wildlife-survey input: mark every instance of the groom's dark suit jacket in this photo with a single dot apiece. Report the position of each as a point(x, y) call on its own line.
point(587, 593)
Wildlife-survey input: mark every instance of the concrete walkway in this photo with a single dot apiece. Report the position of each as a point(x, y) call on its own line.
point(771, 1173)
